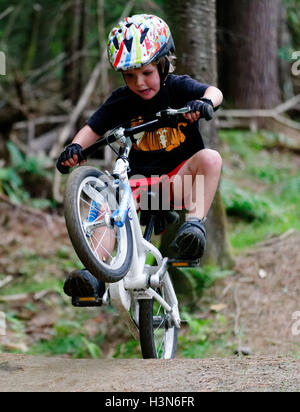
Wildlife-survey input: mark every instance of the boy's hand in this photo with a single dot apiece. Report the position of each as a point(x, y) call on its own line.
point(71, 155)
point(199, 108)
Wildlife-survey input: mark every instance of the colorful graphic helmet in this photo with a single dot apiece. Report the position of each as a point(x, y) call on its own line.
point(137, 41)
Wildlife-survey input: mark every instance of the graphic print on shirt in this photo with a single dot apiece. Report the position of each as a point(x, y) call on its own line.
point(167, 138)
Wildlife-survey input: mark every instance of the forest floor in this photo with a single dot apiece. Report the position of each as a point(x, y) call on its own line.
point(259, 300)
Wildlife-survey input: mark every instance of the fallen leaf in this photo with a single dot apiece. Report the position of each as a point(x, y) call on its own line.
point(5, 281)
point(19, 299)
point(218, 307)
point(43, 319)
point(262, 273)
point(16, 346)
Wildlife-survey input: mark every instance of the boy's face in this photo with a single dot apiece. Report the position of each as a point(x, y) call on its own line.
point(144, 81)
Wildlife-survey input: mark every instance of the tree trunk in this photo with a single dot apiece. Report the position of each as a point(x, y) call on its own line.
point(249, 52)
point(285, 74)
point(73, 40)
point(104, 85)
point(193, 25)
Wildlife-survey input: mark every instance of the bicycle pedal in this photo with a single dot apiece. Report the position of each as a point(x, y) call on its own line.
point(86, 301)
point(183, 263)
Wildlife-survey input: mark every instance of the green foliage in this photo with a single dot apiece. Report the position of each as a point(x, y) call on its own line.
point(293, 15)
point(69, 339)
point(197, 344)
point(192, 283)
point(15, 324)
point(291, 190)
point(202, 278)
point(12, 177)
point(245, 204)
point(92, 348)
point(22, 163)
point(260, 187)
point(128, 350)
point(204, 337)
point(38, 272)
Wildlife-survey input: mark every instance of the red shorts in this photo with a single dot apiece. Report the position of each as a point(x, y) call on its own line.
point(141, 186)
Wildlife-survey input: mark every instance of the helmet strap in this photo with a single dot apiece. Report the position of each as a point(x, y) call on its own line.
point(163, 69)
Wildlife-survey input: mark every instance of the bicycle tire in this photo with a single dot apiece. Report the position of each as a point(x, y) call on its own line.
point(152, 346)
point(80, 241)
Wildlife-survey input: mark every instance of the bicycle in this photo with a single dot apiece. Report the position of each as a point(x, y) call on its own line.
point(101, 216)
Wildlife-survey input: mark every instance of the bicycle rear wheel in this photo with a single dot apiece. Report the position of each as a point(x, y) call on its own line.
point(89, 201)
point(158, 334)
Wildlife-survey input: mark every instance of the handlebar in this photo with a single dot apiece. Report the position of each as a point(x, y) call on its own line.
point(119, 133)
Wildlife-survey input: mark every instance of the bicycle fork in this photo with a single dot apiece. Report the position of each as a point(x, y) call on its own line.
point(173, 310)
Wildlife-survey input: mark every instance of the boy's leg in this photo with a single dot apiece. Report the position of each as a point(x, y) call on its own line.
point(206, 164)
point(194, 186)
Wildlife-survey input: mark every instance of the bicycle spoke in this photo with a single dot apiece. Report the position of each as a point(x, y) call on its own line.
point(85, 201)
point(107, 251)
point(159, 345)
point(159, 349)
point(99, 241)
point(162, 333)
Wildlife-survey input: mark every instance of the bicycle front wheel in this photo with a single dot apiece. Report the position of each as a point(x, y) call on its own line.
point(158, 334)
point(89, 201)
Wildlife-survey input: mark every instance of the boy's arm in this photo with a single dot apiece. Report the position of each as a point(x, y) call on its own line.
point(86, 137)
point(214, 94)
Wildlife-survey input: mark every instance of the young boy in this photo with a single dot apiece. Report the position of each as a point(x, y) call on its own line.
point(140, 48)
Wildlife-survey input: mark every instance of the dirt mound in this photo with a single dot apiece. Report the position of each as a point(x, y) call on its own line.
point(26, 373)
point(263, 297)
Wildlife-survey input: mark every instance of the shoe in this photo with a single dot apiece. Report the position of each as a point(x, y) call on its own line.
point(81, 283)
point(190, 240)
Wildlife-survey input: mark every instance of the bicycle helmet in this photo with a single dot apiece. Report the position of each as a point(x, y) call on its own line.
point(137, 41)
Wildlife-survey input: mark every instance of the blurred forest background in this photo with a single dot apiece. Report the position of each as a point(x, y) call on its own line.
point(57, 74)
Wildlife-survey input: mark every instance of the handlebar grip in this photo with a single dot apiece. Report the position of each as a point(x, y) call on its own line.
point(208, 112)
point(62, 169)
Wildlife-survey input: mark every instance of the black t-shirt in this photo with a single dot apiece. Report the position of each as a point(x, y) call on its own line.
point(162, 148)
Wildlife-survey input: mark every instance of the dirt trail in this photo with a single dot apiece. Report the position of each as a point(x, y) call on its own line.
point(31, 373)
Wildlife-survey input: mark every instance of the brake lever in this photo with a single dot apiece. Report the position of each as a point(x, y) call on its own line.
point(173, 112)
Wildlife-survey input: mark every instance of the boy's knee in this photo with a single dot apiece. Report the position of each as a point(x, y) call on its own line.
point(210, 159)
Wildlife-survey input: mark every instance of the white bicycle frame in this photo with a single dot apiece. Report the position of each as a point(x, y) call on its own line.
point(141, 279)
